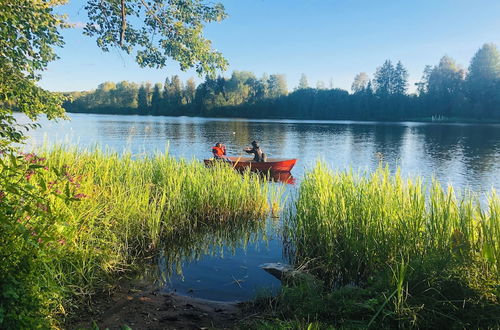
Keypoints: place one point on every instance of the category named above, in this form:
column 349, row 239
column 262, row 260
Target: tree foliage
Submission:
column 384, row 83
column 303, row 83
column 483, row 80
column 446, row 78
column 390, row 79
column 443, row 86
column 28, row 31
column 445, row 91
column 277, row 85
column 400, row 79
column 360, row 82
column 177, row 27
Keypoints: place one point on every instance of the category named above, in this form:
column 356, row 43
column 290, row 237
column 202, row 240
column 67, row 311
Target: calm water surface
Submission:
column 465, row 155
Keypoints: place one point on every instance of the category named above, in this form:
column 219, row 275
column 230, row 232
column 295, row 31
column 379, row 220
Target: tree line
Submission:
column 445, row 91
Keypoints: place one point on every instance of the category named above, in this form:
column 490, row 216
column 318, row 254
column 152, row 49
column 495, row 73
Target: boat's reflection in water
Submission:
column 285, row 177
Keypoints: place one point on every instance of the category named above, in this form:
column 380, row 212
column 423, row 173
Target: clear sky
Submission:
column 328, row 40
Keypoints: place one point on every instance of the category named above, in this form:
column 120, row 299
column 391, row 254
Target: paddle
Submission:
column 238, row 160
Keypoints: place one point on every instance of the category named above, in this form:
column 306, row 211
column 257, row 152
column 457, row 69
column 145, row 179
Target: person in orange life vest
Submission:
column 219, row 151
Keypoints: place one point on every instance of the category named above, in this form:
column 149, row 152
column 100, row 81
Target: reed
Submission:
column 123, row 211
column 429, row 251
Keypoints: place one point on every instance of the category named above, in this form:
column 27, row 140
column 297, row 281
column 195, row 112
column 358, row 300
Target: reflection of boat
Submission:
column 285, row 177
column 272, row 165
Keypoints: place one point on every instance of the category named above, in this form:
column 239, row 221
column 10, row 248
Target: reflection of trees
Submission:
column 441, row 141
column 238, row 134
column 462, row 154
column 387, row 141
column 481, row 147
column 210, row 239
column 110, row 128
column 158, row 128
column 222, row 131
column 475, row 147
column 189, row 129
column 272, row 136
column 241, row 129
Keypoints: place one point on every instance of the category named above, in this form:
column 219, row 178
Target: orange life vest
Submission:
column 218, row 152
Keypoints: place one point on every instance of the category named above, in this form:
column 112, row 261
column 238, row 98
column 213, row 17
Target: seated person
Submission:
column 219, row 151
column 257, row 151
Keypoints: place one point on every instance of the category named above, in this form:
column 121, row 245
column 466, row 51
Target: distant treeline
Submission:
column 446, row 91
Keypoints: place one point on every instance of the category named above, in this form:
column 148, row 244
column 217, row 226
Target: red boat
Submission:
column 273, row 165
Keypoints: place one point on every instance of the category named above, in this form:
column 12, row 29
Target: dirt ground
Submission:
column 147, row 308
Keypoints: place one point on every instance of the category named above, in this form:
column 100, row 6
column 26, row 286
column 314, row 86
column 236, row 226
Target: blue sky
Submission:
column 328, row 40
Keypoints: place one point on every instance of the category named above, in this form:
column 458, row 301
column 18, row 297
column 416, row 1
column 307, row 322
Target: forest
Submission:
column 446, row 91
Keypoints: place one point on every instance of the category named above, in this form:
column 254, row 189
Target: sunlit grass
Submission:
column 428, row 250
column 130, row 209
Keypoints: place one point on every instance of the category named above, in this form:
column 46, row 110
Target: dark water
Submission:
column 465, row 155
column 229, row 274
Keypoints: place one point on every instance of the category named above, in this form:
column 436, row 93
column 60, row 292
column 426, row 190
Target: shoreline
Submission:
column 452, row 120
column 143, row 306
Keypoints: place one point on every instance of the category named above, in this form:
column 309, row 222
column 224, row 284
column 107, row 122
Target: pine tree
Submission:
column 142, row 98
column 166, row 88
column 384, row 77
column 399, row 80
column 423, row 84
column 156, row 99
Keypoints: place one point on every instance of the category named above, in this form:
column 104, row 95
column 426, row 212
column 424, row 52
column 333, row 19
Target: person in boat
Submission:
column 219, row 151
column 259, row 155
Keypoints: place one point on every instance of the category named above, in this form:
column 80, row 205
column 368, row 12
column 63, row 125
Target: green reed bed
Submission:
column 391, row 252
column 104, row 214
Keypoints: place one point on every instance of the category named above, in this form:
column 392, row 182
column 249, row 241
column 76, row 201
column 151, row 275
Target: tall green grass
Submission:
column 126, row 211
column 433, row 256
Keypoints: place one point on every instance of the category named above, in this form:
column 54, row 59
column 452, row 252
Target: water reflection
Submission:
column 220, row 262
column 464, row 155
column 284, row 177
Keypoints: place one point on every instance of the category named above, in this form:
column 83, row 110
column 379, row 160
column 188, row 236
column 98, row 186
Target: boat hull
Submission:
column 272, row 165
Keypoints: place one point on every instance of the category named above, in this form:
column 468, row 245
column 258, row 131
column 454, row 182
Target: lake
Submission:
column 464, row 155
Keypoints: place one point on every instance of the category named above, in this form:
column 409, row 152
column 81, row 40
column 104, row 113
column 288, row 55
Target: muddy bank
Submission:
column 143, row 307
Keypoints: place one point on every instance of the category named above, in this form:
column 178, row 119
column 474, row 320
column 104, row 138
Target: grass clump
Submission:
column 411, row 257
column 84, row 218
